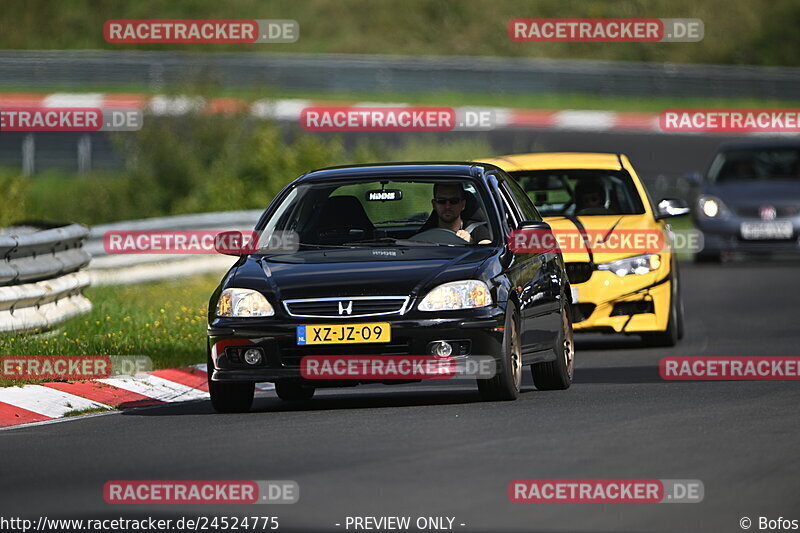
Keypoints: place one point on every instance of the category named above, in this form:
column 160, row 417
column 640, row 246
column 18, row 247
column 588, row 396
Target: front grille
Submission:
column 581, row 312
column 344, row 307
column 784, row 211
column 633, row 308
column 579, row 272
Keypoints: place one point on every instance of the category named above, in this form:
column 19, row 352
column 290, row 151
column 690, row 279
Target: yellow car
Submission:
column 615, row 242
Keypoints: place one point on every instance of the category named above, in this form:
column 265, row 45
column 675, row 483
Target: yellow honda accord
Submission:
column 615, row 242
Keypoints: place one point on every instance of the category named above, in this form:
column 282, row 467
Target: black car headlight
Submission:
column 243, row 303
column 467, row 294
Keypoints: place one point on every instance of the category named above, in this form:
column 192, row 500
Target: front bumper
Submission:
column 725, row 235
column 631, row 304
column 481, row 331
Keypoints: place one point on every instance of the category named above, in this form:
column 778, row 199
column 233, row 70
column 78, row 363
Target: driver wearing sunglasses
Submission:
column 448, row 202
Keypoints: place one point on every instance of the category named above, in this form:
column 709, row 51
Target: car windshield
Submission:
column 408, row 212
column 581, row 192
column 756, row 164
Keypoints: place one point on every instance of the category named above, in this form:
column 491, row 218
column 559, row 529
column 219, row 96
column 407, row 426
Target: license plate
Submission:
column 574, row 295
column 767, row 230
column 344, row 333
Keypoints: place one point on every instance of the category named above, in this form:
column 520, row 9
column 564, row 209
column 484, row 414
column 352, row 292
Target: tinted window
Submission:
column 348, row 213
column 525, row 204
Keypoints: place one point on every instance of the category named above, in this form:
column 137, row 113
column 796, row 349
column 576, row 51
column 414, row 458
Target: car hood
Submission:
column 751, row 193
column 607, row 225
column 359, row 271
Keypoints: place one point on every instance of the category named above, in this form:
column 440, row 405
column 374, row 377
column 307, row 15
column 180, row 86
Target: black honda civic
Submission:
column 390, row 261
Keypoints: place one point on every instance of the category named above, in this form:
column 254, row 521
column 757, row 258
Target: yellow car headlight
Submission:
column 466, row 294
column 243, row 303
column 640, row 264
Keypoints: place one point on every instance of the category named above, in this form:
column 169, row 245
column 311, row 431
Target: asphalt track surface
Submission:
column 651, row 153
column 434, row 449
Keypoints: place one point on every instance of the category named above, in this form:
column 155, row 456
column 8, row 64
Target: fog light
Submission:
column 252, row 356
column 441, row 349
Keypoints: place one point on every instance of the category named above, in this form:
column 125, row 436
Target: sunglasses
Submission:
column 453, row 200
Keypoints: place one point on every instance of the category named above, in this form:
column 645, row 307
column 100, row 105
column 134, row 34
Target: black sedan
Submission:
column 392, row 260
column 750, row 199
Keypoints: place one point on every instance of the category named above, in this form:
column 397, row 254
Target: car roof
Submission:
column 558, row 160
column 444, row 169
column 760, row 144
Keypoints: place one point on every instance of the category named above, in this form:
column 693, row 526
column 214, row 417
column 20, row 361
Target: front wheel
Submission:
column 557, row 375
column 507, row 381
column 229, row 397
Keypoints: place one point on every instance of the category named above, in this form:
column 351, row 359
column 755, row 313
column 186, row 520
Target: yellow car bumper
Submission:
column 630, row 304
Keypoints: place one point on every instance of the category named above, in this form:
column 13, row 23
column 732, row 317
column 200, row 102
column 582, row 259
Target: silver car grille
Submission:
column 347, row 306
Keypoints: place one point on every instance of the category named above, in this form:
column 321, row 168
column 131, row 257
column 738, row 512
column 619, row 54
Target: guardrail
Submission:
column 40, row 285
column 119, row 269
column 351, row 72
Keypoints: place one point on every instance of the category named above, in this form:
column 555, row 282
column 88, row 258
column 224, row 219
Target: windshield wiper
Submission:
column 322, row 246
column 383, row 241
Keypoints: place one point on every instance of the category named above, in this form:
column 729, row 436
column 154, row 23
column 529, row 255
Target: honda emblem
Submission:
column 346, row 310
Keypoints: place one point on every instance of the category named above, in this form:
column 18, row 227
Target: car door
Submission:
column 548, row 308
column 531, row 279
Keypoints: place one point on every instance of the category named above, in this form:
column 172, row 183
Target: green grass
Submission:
column 524, row 100
column 81, row 412
column 163, row 320
column 736, row 31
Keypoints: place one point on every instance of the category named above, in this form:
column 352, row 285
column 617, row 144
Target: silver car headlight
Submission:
column 712, row 207
column 639, row 264
column 243, row 303
column 465, row 294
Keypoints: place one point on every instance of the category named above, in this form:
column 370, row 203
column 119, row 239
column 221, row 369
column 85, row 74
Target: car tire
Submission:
column 229, row 397
column 506, row 383
column 557, row 375
column 293, row 391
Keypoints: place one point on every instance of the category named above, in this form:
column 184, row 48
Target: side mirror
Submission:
column 534, row 224
column 671, row 207
column 231, row 243
column 533, row 236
